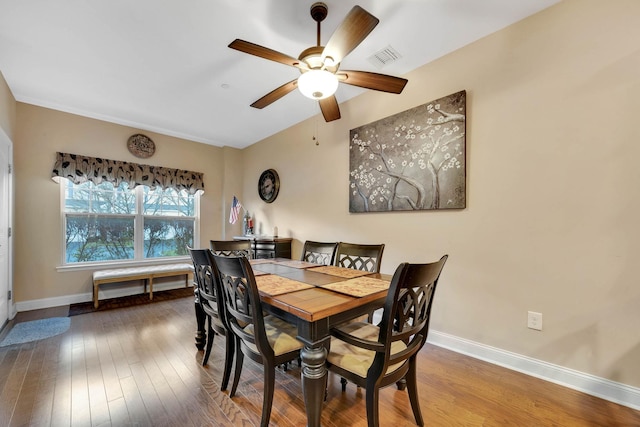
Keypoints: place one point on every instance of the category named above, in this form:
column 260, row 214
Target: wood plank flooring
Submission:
column 138, row 366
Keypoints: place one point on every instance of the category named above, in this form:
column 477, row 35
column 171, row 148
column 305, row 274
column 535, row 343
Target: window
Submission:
column 106, row 223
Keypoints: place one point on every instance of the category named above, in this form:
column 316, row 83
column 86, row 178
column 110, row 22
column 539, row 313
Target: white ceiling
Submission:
column 164, row 66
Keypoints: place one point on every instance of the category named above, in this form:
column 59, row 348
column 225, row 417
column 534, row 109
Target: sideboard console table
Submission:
column 268, row 246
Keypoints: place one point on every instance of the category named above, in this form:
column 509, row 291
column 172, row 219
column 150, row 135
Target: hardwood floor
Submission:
column 138, row 366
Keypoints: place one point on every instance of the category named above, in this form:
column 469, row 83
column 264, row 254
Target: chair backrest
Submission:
column 407, row 311
column 243, row 308
column 205, row 276
column 231, row 247
column 319, row 252
column 359, row 257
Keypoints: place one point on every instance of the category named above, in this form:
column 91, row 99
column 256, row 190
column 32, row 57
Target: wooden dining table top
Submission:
column 312, row 292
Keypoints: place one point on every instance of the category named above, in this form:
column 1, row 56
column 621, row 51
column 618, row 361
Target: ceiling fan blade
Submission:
column 375, row 81
column 329, row 108
column 276, row 94
column 263, row 52
column 356, row 26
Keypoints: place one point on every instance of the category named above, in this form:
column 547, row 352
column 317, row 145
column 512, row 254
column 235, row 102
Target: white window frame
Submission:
column 138, row 237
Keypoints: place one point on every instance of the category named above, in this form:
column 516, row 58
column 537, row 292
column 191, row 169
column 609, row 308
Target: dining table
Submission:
column 315, row 298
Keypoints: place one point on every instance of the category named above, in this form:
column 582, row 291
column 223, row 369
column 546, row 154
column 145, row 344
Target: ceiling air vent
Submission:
column 383, row 57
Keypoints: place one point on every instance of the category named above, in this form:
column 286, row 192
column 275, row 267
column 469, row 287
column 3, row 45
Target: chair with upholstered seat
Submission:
column 319, row 252
column 359, row 257
column 212, row 305
column 264, row 339
column 231, row 247
column 377, row 356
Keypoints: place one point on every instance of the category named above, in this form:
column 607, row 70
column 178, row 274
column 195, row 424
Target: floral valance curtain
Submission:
column 79, row 169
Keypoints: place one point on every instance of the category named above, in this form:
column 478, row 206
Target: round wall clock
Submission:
column 141, row 146
column 269, row 185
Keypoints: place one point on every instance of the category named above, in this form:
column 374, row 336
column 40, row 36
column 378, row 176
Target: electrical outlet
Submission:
column 534, row 320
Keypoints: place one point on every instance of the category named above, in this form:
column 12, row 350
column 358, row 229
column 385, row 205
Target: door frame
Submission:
column 7, row 147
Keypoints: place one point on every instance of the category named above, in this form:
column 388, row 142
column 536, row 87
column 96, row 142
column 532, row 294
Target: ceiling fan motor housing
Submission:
column 313, row 58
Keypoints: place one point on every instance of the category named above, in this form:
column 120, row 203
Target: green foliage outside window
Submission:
column 101, row 222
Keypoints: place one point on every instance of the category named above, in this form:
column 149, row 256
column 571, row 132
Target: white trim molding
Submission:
column 39, row 304
column 586, row 383
column 119, row 291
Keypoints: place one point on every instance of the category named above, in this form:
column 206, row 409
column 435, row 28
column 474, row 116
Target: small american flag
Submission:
column 235, row 210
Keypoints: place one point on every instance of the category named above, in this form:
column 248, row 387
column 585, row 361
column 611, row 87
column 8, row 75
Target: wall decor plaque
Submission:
column 413, row 160
column 141, row 146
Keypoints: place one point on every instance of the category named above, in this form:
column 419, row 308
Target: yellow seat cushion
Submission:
column 281, row 335
column 355, row 359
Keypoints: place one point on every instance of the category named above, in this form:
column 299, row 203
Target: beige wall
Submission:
column 40, row 133
column 233, row 179
column 7, row 108
column 551, row 223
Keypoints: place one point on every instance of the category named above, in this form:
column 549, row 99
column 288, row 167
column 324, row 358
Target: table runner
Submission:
column 340, row 271
column 257, row 273
column 260, row 261
column 297, row 264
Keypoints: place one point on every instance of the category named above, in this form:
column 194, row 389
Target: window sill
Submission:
column 120, row 264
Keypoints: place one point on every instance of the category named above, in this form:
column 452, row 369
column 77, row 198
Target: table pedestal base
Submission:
column 314, row 380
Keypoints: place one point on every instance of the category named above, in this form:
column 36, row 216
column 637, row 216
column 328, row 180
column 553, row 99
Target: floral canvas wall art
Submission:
column 413, row 160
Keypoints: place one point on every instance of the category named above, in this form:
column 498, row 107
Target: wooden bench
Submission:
column 145, row 273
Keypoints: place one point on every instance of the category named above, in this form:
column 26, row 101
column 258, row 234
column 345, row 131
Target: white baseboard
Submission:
column 115, row 292
column 586, row 383
column 38, row 304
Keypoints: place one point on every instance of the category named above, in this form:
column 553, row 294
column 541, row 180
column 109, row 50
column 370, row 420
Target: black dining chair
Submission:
column 267, row 340
column 211, row 302
column 231, row 247
column 377, row 356
column 359, row 257
column 319, row 252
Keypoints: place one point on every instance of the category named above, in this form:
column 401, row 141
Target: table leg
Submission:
column 314, row 380
column 95, row 295
column 201, row 336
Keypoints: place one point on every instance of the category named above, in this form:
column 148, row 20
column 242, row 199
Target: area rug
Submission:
column 36, row 330
column 130, row 300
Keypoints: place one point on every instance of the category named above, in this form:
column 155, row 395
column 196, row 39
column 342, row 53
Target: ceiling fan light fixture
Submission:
column 317, row 84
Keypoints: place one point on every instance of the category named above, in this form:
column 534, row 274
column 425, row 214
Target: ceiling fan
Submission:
column 319, row 65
